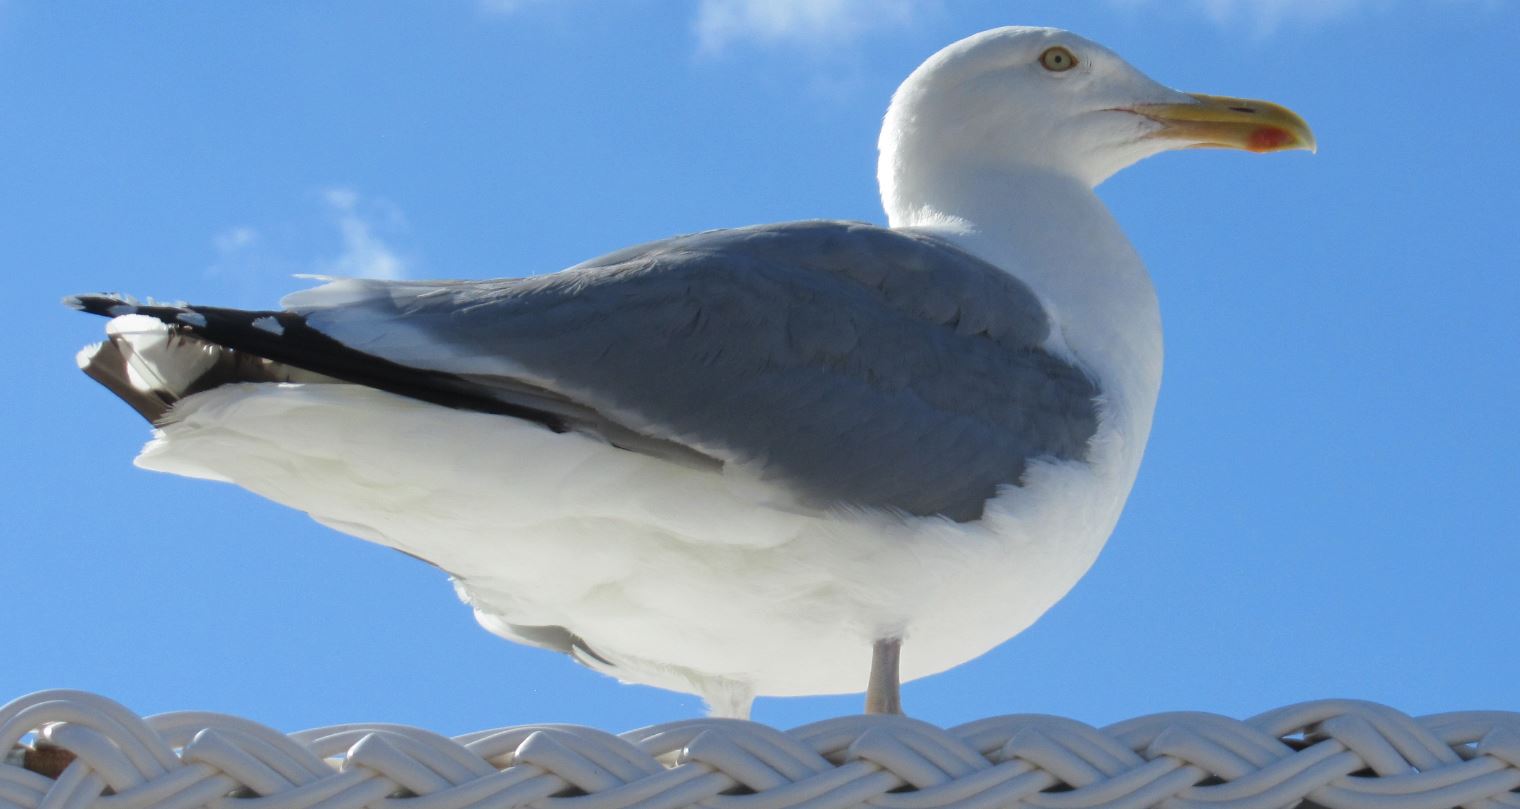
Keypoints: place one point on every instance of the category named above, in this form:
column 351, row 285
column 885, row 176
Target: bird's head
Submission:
column 1043, row 98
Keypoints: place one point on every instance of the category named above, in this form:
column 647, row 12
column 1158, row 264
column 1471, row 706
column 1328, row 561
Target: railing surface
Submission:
column 71, row 750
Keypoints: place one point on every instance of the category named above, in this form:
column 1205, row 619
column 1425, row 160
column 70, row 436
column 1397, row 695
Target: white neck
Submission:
column 1053, row 233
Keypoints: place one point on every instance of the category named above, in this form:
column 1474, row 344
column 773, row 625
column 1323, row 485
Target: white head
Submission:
column 1041, row 99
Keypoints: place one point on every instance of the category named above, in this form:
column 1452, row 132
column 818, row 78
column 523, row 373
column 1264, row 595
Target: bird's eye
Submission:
column 1058, row 59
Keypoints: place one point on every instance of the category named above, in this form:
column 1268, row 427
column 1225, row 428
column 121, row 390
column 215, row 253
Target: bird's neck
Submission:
column 1053, row 233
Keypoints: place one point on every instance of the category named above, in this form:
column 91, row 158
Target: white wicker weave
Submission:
column 1341, row 754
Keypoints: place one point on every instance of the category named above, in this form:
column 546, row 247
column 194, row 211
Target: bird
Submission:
column 800, row 458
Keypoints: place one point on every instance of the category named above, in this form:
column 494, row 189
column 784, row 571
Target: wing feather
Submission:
column 850, row 363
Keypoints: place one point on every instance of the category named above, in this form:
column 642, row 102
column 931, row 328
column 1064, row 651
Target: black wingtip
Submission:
column 105, row 304
column 257, row 338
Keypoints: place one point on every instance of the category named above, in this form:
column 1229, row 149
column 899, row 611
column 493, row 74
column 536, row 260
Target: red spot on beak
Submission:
column 1268, row 138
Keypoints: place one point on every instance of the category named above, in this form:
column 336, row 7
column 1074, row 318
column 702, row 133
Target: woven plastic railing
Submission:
column 72, row 750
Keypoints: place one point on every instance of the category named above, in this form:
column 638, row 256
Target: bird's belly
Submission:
column 681, row 577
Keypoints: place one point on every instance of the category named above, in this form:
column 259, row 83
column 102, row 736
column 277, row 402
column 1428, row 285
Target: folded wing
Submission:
column 850, row 364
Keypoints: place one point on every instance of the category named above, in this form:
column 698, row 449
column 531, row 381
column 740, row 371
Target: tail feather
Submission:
column 107, row 364
column 151, row 365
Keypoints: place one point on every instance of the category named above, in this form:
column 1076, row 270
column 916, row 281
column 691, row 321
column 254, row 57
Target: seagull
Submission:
column 796, row 458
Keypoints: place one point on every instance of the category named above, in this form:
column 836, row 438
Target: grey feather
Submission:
column 851, row 364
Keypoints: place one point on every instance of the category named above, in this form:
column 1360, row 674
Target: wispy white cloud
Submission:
column 351, row 235
column 364, row 254
column 1269, row 14
column 807, row 24
column 500, row 6
column 234, row 239
column 237, row 252
column 1265, row 16
column 721, row 24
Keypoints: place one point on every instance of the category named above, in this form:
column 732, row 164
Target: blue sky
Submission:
column 1327, row 506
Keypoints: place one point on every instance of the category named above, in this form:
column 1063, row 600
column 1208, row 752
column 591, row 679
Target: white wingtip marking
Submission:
column 195, row 319
column 269, row 324
column 87, row 354
column 135, row 324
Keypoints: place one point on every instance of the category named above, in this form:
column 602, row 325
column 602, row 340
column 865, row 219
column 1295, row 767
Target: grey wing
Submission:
column 851, row 364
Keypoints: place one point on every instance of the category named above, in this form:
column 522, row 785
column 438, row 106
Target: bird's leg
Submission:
column 882, row 693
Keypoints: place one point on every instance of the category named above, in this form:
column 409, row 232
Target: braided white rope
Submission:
column 1340, row 754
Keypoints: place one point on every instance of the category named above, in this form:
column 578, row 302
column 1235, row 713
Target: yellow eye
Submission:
column 1058, row 59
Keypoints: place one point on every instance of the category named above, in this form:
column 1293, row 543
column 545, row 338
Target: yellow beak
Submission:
column 1219, row 122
